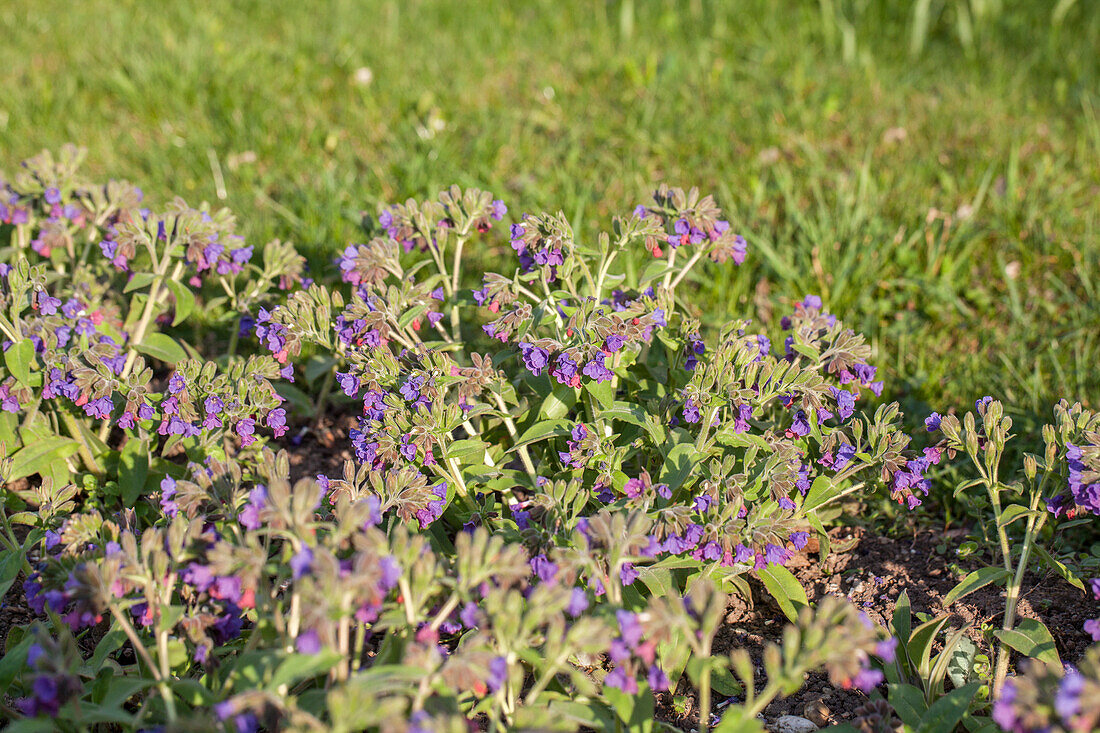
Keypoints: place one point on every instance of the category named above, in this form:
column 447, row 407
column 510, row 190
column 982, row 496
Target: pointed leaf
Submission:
column 949, row 710
column 975, row 580
column 785, row 588
column 1032, row 639
column 18, row 359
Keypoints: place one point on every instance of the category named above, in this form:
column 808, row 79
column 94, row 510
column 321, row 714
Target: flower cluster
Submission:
column 1044, row 698
column 548, row 479
column 92, row 304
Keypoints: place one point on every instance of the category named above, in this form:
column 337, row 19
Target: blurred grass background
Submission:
column 930, row 167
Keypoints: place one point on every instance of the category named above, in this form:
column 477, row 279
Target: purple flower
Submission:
column 276, row 420
column 629, row 628
column 167, row 491
column 1004, row 713
column 775, row 554
column 691, row 411
column 597, row 370
column 302, row 562
column 845, row 403
column 498, row 673
column 246, row 429
column 250, row 515
column 867, row 680
column 844, row 454
column 658, row 681
column 1067, row 701
column 800, row 426
column 578, row 602
column 799, row 539
column 628, row 573
column 308, row 642
column 932, row 422
column 886, row 649
column 498, row 210
column 614, row 342
column 535, row 358
column 543, row 569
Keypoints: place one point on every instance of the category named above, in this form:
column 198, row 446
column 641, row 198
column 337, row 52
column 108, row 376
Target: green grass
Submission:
column 945, row 203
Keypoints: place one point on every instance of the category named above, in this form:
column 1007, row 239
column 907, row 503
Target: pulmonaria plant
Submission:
column 1060, row 485
column 559, row 472
column 357, row 622
column 578, row 408
column 1045, row 698
column 98, row 296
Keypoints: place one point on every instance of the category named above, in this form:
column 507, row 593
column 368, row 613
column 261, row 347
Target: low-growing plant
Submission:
column 99, row 298
column 558, row 477
column 1059, row 490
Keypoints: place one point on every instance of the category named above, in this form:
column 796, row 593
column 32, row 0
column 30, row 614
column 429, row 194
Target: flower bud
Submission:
column 1031, row 467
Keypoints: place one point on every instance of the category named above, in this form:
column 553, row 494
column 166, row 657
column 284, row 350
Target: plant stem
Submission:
column 687, row 268
column 455, row 270
column 139, row 648
column 523, row 455
column 1012, row 592
column 82, row 447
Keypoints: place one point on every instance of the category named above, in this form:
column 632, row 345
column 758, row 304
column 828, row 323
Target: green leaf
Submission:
column 185, row 300
column 1013, row 512
column 635, row 711
column 10, row 565
column 975, row 580
column 318, row 366
column 162, row 347
column 411, row 315
column 678, row 465
column 602, row 391
column 673, row 656
column 637, row 415
column 14, row 661
column 18, row 359
column 110, row 643
column 1032, row 639
column 121, row 689
column 961, row 663
column 919, row 647
column 785, row 588
column 659, row 580
column 945, row 713
column 541, row 431
column 736, row 719
column 133, row 469
column 297, row 667
column 722, row 680
column 138, row 281
column 591, row 714
column 1059, row 567
column 37, row 457
column 821, row 493
column 908, row 703
column 467, row 450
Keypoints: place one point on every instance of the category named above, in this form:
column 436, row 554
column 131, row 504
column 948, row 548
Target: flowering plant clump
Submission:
column 95, row 293
column 1057, row 488
column 558, row 476
column 1046, row 698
